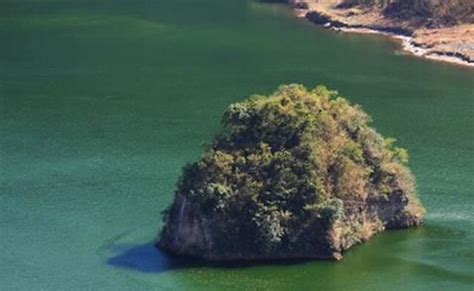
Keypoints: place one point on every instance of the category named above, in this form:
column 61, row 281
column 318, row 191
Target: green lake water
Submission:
column 103, row 101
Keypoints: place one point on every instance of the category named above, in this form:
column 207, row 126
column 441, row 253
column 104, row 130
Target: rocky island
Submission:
column 298, row 174
column 436, row 29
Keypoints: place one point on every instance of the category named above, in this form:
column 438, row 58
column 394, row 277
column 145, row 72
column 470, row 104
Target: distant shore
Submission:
column 453, row 44
column 410, row 47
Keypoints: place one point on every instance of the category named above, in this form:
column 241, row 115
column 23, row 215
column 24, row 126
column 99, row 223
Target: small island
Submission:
column 299, row 174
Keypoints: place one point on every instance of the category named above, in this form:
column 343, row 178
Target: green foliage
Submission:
column 287, row 164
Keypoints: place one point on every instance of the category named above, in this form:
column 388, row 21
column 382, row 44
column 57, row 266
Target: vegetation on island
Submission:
column 298, row 172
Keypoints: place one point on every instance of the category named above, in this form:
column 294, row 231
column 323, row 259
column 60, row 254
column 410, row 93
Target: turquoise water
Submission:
column 102, row 102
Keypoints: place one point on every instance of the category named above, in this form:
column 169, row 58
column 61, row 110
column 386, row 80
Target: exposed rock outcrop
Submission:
column 298, row 174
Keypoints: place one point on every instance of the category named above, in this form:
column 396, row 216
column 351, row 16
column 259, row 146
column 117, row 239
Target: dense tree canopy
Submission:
column 288, row 167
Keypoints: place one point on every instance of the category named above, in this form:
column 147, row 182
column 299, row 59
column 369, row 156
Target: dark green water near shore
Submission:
column 102, row 103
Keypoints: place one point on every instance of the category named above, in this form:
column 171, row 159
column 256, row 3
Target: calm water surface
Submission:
column 102, row 102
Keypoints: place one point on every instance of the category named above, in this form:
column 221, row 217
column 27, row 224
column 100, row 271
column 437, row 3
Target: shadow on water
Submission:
column 147, row 258
column 380, row 251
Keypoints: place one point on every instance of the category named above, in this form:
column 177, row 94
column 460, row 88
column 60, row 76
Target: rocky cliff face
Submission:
column 190, row 233
column 295, row 175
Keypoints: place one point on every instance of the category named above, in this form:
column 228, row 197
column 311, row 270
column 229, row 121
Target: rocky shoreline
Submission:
column 413, row 41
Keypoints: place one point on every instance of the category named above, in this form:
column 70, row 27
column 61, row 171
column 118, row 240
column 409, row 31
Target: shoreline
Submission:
column 407, row 41
column 408, row 46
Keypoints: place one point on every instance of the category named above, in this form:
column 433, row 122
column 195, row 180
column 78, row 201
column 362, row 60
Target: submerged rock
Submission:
column 299, row 174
